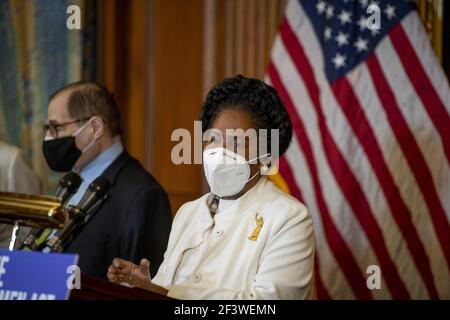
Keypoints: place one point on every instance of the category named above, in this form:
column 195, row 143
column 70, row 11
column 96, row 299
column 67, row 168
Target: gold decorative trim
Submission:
column 431, row 12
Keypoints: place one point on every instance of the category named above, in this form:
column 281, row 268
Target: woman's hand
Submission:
column 123, row 271
column 127, row 273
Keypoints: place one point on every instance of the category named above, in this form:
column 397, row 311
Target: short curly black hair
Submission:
column 255, row 97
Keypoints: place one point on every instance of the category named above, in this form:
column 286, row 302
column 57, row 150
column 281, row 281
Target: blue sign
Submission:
column 26, row 275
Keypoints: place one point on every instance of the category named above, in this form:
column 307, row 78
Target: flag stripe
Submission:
column 345, row 258
column 441, row 120
column 417, row 119
column 429, row 145
column 417, row 163
column 329, row 269
column 420, row 41
column 430, row 99
column 364, row 89
column 322, row 292
column 356, row 117
column 341, row 171
column 286, row 172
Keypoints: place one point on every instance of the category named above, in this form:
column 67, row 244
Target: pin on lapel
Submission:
column 259, row 223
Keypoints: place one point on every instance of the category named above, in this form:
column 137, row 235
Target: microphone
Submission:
column 92, row 198
column 67, row 187
column 95, row 195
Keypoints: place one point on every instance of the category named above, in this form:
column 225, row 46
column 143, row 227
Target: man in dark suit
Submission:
column 83, row 134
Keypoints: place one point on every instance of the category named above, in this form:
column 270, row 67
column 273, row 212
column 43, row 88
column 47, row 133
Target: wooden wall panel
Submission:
column 245, row 30
column 176, row 92
column 122, row 57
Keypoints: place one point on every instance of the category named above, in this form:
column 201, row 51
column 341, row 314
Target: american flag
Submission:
column 371, row 150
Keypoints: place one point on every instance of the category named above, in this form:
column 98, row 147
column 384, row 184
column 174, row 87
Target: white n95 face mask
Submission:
column 227, row 172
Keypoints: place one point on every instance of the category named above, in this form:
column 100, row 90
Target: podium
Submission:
column 29, row 210
column 93, row 288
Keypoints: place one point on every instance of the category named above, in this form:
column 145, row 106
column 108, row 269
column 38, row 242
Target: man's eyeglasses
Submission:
column 53, row 128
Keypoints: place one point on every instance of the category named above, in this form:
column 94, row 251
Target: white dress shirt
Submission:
column 213, row 258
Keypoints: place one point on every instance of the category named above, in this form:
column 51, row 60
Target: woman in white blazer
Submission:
column 245, row 239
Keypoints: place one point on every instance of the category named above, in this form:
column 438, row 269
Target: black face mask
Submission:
column 61, row 154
